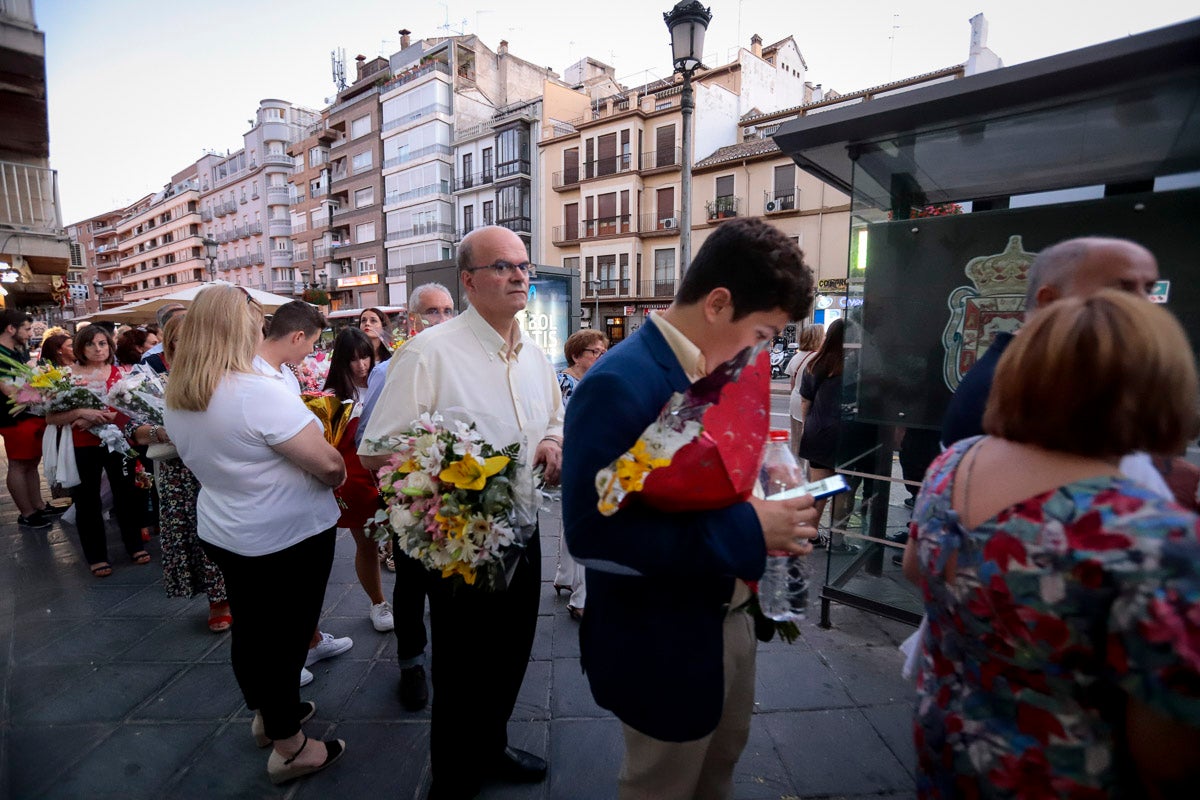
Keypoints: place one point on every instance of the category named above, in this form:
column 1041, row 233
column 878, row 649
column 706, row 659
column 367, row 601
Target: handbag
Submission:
column 58, row 456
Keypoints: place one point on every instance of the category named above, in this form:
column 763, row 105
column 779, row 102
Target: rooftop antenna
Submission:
column 892, row 36
column 448, row 28
column 337, row 60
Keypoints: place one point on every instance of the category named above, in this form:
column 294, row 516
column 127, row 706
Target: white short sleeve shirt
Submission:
column 253, row 500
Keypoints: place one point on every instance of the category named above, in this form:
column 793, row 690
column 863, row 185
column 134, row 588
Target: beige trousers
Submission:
column 701, row 769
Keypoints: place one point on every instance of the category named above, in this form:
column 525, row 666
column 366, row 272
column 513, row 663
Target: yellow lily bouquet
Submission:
column 449, row 498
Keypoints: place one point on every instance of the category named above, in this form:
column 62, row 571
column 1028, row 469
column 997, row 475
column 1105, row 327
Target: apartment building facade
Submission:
column 160, row 242
column 442, row 86
column 308, row 202
column 499, row 180
column 93, row 244
column 614, row 212
column 351, row 252
column 34, row 248
column 245, row 201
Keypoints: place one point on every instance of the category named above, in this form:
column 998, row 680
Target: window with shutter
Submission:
column 606, row 213
column 571, row 165
column 607, row 146
column 665, row 201
column 664, row 146
column 785, row 187
column 571, row 221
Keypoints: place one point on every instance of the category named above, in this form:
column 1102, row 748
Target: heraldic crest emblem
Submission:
column 993, row 305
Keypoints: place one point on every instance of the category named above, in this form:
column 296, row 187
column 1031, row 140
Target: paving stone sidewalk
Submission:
column 110, row 689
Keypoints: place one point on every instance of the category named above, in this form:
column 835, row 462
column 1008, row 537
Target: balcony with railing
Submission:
column 655, row 289
column 517, row 224
column 414, row 116
column 605, row 226
column 422, row 229
column 420, row 152
column 254, row 228
column 777, row 202
column 29, row 197
column 512, row 169
column 442, row 187
column 723, row 207
column 206, row 216
column 656, row 223
column 278, row 195
column 279, row 227
column 221, row 209
column 278, row 160
column 296, row 198
column 566, row 178
column 413, row 73
column 671, row 158
column 281, row 258
column 474, row 181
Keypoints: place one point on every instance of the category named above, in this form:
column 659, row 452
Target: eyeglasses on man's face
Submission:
column 505, row 268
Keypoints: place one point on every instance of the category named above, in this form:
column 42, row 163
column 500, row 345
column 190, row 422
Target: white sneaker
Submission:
column 306, row 677
column 381, row 617
column 328, row 647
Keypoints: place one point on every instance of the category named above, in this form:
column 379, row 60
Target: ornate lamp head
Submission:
column 687, row 22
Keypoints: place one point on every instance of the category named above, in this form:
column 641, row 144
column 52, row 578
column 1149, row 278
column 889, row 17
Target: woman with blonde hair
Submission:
column 1063, row 598
column 265, row 513
column 810, row 340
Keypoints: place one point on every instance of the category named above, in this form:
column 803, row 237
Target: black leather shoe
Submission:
column 413, row 690
column 517, row 766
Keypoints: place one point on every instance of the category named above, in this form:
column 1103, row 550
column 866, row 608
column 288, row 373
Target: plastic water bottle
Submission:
column 783, row 590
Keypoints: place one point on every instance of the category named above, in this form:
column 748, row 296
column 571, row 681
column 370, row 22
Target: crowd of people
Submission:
column 1060, row 572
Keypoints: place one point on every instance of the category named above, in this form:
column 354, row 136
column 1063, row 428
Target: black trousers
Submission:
column 481, row 646
column 128, row 502
column 408, row 604
column 275, row 601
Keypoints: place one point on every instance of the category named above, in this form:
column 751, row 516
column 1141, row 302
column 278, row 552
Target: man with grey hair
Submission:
column 1072, row 268
column 429, row 304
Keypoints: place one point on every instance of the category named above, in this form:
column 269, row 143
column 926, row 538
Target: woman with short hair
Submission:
column 1063, row 598
column 582, row 349
column 265, row 513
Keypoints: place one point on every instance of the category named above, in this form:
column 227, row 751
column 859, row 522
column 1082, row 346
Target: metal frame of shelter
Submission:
column 1105, row 140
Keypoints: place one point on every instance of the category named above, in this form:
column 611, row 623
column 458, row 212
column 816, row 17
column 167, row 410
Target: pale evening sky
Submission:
column 139, row 90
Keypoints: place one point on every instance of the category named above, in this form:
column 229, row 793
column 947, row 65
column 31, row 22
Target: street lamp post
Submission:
column 99, row 287
column 687, row 22
column 210, row 252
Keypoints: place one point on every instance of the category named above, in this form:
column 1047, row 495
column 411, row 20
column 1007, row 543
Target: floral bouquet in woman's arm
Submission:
column 46, row 390
column 703, row 451
column 450, row 500
column 140, row 395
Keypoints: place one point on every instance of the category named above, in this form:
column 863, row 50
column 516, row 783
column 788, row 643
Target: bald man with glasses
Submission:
column 481, row 367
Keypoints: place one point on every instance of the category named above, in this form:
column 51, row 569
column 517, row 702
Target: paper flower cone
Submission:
column 704, row 449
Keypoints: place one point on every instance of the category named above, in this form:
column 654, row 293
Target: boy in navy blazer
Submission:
column 664, row 642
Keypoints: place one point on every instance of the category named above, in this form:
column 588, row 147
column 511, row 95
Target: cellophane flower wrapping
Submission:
column 312, row 372
column 45, row 389
column 140, row 395
column 333, row 414
column 704, row 450
column 450, row 500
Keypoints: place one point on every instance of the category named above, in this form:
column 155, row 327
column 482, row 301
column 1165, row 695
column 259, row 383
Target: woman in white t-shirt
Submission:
column 265, row 512
column 810, row 342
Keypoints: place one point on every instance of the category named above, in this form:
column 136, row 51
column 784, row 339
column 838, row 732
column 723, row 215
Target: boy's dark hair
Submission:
column 761, row 267
column 295, row 316
column 11, row 316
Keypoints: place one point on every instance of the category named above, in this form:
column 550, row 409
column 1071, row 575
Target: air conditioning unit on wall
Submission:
column 772, row 205
column 670, row 222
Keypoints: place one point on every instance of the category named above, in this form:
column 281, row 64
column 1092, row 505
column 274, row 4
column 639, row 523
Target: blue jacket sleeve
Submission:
column 606, row 416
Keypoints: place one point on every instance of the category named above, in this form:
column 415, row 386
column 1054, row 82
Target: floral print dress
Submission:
column 1063, row 605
